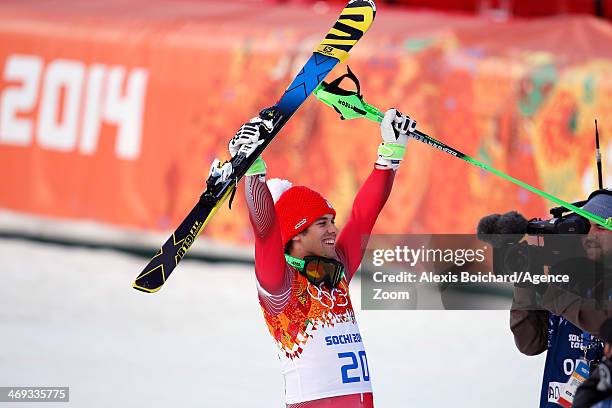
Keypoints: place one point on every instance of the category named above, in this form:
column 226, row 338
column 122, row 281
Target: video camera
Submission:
column 561, row 247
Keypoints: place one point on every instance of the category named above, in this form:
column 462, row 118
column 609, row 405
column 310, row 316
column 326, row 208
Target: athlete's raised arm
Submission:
column 271, row 269
column 373, row 194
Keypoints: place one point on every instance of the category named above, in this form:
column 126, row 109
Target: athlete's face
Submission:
column 319, row 238
column 598, row 242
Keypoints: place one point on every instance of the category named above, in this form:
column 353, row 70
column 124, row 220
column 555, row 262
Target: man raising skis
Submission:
column 304, row 265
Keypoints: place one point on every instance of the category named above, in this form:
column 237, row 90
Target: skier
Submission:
column 304, row 265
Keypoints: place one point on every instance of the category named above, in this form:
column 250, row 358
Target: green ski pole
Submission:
column 351, row 105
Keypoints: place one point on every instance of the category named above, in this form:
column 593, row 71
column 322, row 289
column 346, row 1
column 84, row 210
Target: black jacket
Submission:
column 596, row 388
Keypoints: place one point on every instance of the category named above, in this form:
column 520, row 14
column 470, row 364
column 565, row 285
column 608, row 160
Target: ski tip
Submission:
column 355, row 19
column 143, row 289
column 360, row 3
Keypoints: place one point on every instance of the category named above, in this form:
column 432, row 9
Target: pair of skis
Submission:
column 354, row 20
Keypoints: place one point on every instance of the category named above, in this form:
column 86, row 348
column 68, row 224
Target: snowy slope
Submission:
column 69, row 317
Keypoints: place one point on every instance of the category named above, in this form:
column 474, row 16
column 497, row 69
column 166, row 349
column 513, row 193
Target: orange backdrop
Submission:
column 113, row 111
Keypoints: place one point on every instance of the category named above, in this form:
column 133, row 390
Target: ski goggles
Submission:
column 318, row 269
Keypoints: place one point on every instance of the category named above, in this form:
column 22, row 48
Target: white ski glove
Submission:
column 395, row 130
column 246, row 140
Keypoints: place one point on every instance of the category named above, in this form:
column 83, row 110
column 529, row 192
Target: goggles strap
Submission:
column 297, row 263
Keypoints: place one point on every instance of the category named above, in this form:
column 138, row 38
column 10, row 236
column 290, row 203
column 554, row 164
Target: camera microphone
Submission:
column 496, row 228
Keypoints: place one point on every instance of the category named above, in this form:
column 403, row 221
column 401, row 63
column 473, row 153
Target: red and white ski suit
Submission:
column 321, row 351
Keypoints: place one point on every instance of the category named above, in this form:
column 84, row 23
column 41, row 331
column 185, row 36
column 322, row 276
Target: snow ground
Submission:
column 69, row 317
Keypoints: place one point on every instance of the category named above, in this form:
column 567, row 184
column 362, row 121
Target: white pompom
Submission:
column 277, row 187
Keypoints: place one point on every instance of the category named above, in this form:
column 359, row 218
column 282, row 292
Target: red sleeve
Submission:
column 368, row 203
column 273, row 274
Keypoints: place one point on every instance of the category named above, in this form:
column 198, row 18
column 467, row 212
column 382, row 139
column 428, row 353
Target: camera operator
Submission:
column 562, row 320
column 588, row 303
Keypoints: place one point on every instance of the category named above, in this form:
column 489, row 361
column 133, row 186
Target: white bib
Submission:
column 320, row 348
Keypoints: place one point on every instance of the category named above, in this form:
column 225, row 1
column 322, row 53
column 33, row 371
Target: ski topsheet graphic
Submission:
column 354, row 21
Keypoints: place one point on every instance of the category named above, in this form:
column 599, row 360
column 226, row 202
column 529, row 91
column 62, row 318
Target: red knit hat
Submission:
column 297, row 208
